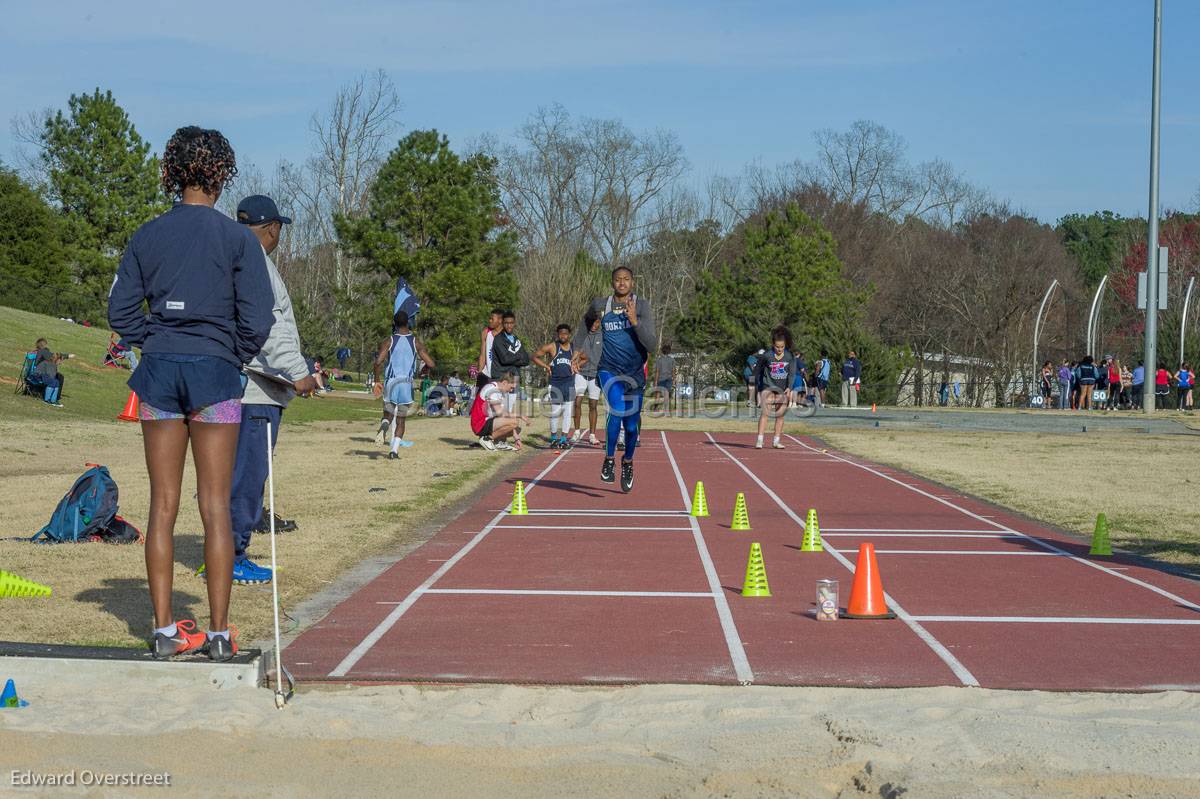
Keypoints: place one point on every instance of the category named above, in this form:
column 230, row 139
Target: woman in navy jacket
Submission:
column 204, row 281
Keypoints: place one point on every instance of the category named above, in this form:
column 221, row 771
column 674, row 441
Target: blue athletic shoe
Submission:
column 247, row 572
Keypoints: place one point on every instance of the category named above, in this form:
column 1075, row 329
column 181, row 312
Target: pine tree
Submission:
column 106, row 182
column 33, row 269
column 787, row 273
column 433, row 219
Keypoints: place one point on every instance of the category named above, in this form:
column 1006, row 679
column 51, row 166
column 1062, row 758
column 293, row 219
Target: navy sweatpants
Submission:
column 250, row 471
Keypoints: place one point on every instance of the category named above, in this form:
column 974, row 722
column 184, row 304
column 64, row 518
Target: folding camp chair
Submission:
column 29, row 384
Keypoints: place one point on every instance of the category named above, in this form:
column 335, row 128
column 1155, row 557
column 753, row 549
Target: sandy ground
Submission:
column 668, row 741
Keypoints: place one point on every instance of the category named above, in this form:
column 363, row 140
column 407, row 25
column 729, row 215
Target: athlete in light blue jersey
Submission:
column 400, row 353
column 627, row 328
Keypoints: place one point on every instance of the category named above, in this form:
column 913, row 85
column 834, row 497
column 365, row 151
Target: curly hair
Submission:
column 782, row 333
column 197, row 157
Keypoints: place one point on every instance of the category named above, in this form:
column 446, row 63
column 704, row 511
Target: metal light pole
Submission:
column 1151, row 358
column 1093, row 325
column 1037, row 328
column 1187, row 298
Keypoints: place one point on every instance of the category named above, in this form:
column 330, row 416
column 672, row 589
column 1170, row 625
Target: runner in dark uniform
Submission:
column 562, row 368
column 627, row 326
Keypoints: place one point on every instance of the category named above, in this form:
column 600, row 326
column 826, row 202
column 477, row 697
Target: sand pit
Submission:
column 678, row 741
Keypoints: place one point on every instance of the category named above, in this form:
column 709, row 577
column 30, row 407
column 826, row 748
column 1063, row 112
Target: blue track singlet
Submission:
column 402, row 365
column 622, row 353
column 562, row 376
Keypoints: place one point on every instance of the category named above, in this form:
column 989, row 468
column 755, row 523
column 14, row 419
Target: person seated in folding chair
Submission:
column 46, row 374
column 27, row 383
column 119, row 354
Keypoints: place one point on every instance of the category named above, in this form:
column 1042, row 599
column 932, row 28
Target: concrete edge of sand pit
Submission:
column 41, row 665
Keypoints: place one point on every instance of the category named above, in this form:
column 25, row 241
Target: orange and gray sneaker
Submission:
column 220, row 647
column 186, row 639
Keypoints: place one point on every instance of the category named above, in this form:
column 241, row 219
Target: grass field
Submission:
column 1143, row 484
column 327, row 468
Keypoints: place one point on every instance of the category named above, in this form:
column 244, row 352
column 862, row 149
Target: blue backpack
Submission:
column 87, row 510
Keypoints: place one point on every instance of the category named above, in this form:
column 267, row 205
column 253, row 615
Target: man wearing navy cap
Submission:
column 274, row 376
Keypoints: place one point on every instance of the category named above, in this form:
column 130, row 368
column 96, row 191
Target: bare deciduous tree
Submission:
column 351, row 139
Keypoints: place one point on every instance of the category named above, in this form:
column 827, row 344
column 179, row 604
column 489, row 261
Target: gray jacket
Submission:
column 280, row 355
column 590, row 344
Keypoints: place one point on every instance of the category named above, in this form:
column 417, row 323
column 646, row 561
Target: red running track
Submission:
column 596, row 586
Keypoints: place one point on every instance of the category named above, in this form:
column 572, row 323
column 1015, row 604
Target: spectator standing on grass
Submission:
column 269, row 373
column 1162, row 386
column 800, row 382
column 561, row 369
column 510, row 354
column 1137, row 383
column 1074, row 385
column 851, row 378
column 1115, row 386
column 488, row 338
column 204, row 282
column 1185, row 378
column 750, row 374
column 664, row 375
column 1126, row 401
column 589, row 340
column 1088, row 374
column 1065, row 378
column 822, row 369
column 1046, row 383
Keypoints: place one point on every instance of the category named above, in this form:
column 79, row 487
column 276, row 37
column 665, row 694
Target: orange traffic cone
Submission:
column 866, row 595
column 872, row 407
column 130, row 414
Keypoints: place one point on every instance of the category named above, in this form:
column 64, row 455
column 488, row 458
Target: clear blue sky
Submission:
column 1044, row 102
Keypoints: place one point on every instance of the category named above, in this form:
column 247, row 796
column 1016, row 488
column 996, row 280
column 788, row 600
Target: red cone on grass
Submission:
column 130, row 414
column 866, row 595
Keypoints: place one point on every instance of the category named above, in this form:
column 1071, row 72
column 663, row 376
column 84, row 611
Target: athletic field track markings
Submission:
column 364, row 646
column 737, row 653
column 963, row 674
column 1039, row 541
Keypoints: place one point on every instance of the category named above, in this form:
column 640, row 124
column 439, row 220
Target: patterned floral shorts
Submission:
column 227, row 412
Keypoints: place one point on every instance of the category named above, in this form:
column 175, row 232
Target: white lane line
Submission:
column 737, row 653
column 550, row 592
column 1040, row 542
column 578, row 527
column 902, row 530
column 993, row 536
column 964, row 552
column 567, row 512
column 962, row 672
column 356, row 654
column 1057, row 620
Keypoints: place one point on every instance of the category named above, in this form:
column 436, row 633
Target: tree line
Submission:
column 909, row 264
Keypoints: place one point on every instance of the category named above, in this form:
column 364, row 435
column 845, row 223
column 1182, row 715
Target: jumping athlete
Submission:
column 401, row 353
column 776, row 374
column 627, row 327
column 564, row 364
